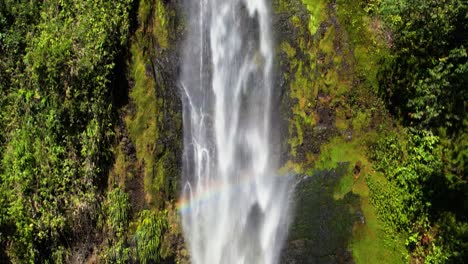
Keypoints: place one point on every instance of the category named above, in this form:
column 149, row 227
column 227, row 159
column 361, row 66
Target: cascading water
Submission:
column 234, row 207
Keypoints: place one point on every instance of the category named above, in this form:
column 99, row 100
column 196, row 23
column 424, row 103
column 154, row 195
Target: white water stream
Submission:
column 234, row 205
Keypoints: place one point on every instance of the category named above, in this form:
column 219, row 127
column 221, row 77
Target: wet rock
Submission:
column 322, row 225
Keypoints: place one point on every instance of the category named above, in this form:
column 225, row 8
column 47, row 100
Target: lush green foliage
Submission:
column 117, row 211
column 424, row 83
column 118, row 216
column 59, row 76
column 149, row 234
column 426, row 79
column 417, row 200
column 57, row 62
column 139, row 241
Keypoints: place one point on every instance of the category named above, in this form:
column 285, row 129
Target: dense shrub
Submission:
column 415, row 199
column 425, row 80
column 424, row 83
column 56, row 116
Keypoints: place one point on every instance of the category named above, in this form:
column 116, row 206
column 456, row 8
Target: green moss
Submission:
column 160, row 28
column 325, row 44
column 298, row 139
column 119, row 172
column 296, row 21
column 291, row 166
column 345, row 185
column 155, row 17
column 366, row 37
column 317, row 12
column 290, row 51
column 341, row 121
column 142, row 124
column 339, row 150
column 144, row 10
column 146, row 111
column 361, row 120
column 154, row 232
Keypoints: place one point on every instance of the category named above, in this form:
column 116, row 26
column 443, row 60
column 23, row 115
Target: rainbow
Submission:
column 211, row 192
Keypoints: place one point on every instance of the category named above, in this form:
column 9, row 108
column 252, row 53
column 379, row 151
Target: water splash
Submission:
column 233, row 205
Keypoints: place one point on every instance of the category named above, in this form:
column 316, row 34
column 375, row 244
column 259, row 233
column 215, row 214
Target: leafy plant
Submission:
column 148, row 235
column 117, row 212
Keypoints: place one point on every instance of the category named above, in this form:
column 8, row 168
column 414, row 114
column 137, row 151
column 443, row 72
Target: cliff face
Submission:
column 149, row 140
column 328, row 56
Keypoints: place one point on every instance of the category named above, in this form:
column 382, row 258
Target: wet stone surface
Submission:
column 322, row 225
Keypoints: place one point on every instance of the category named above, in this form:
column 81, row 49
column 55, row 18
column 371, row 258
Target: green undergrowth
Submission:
column 57, row 64
column 149, row 234
column 413, row 163
column 138, row 240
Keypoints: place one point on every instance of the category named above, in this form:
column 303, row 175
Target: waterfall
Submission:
column 234, row 205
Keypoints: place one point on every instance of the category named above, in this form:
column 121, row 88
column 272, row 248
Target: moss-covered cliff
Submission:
column 365, row 197
column 328, row 55
column 149, row 136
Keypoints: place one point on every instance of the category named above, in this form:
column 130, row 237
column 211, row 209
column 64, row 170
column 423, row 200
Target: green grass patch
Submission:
column 340, row 150
column 370, row 244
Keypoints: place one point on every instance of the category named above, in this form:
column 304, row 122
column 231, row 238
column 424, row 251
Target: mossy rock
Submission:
column 322, row 225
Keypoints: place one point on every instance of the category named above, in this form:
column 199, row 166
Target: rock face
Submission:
column 148, row 153
column 327, row 71
column 322, row 225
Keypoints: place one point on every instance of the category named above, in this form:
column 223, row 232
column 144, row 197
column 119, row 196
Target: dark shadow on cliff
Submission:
column 322, row 225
